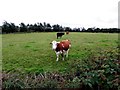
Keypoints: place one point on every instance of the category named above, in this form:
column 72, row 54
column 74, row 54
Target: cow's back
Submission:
column 66, row 42
column 63, row 45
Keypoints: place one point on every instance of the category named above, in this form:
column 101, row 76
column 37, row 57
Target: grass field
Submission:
column 0, row 52
column 31, row 52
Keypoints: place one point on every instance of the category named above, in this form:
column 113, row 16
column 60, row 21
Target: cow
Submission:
column 59, row 34
column 61, row 47
column 67, row 32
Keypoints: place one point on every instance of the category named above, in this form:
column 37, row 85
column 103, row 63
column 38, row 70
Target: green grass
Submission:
column 0, row 52
column 32, row 52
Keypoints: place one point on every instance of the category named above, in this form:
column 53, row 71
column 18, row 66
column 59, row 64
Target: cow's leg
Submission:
column 62, row 56
column 67, row 53
column 57, row 54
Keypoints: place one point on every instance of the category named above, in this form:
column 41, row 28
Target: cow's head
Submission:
column 54, row 44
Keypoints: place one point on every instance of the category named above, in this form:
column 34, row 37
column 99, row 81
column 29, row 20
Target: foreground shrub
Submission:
column 97, row 72
column 101, row 71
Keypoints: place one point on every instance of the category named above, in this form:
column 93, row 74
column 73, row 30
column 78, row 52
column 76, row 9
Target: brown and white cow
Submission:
column 61, row 47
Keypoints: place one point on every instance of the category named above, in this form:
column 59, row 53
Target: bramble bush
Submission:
column 101, row 71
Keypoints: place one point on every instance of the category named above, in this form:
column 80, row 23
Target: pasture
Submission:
column 32, row 52
column 28, row 61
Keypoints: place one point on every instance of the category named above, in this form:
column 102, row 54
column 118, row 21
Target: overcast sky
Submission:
column 72, row 13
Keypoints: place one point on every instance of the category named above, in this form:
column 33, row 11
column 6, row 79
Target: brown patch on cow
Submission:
column 63, row 45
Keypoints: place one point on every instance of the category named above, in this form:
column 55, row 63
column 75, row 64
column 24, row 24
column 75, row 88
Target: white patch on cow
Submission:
column 61, row 52
column 57, row 54
column 54, row 45
column 62, row 45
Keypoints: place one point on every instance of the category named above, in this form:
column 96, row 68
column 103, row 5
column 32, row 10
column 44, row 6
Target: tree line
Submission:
column 47, row 27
